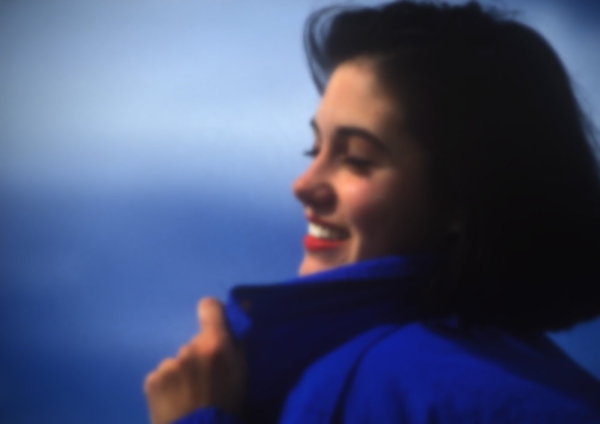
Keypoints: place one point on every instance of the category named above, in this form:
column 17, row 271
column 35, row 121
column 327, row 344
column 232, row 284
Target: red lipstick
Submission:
column 313, row 243
column 324, row 241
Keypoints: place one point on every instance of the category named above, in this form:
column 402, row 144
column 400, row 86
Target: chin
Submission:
column 318, row 262
column 308, row 267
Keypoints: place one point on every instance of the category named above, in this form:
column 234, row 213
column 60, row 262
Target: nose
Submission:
column 313, row 188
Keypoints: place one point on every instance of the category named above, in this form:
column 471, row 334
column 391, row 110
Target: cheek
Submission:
column 387, row 217
column 371, row 208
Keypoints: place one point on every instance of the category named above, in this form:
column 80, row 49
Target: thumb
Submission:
column 211, row 316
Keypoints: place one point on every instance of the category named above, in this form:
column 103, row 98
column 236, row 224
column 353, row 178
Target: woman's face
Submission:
column 367, row 192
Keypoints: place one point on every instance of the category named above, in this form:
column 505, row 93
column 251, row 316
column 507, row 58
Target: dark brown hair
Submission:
column 513, row 153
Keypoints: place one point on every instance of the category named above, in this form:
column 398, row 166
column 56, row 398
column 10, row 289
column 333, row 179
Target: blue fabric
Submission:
column 388, row 267
column 351, row 349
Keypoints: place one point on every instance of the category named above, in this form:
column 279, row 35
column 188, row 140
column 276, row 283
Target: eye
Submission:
column 357, row 163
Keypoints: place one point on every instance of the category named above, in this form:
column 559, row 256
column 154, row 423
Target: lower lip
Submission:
column 313, row 243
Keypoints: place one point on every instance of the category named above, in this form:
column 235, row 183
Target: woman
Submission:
column 452, row 205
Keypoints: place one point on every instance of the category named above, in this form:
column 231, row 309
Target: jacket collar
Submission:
column 248, row 304
column 381, row 268
column 287, row 326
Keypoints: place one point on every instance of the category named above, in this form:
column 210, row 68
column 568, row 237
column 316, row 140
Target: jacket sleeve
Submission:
column 208, row 416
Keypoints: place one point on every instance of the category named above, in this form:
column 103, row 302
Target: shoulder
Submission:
column 423, row 372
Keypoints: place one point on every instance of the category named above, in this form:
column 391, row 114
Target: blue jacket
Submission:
column 346, row 346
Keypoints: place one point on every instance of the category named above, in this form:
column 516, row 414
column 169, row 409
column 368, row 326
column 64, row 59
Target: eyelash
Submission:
column 312, row 153
column 356, row 163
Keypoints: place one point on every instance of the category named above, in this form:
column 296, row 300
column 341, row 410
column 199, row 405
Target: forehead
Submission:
column 354, row 96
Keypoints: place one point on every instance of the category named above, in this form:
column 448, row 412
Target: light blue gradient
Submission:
column 147, row 149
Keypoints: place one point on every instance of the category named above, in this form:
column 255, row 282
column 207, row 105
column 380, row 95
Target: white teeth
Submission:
column 322, row 232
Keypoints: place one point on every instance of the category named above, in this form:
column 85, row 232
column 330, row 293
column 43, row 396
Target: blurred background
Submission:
column 147, row 149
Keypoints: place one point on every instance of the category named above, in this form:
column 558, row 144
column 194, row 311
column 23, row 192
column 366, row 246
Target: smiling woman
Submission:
column 452, row 205
column 367, row 193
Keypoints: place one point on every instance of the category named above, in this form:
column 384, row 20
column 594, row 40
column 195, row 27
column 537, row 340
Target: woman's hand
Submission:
column 208, row 371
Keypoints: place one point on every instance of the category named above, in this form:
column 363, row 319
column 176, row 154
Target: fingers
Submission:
column 211, row 316
column 209, row 370
column 166, row 374
column 167, row 394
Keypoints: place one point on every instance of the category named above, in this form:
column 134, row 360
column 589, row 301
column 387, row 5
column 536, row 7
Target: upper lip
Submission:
column 316, row 220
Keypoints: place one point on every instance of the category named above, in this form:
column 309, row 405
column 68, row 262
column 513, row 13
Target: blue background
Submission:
column 147, row 149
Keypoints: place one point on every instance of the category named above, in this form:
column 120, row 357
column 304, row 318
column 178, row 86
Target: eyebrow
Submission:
column 347, row 131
